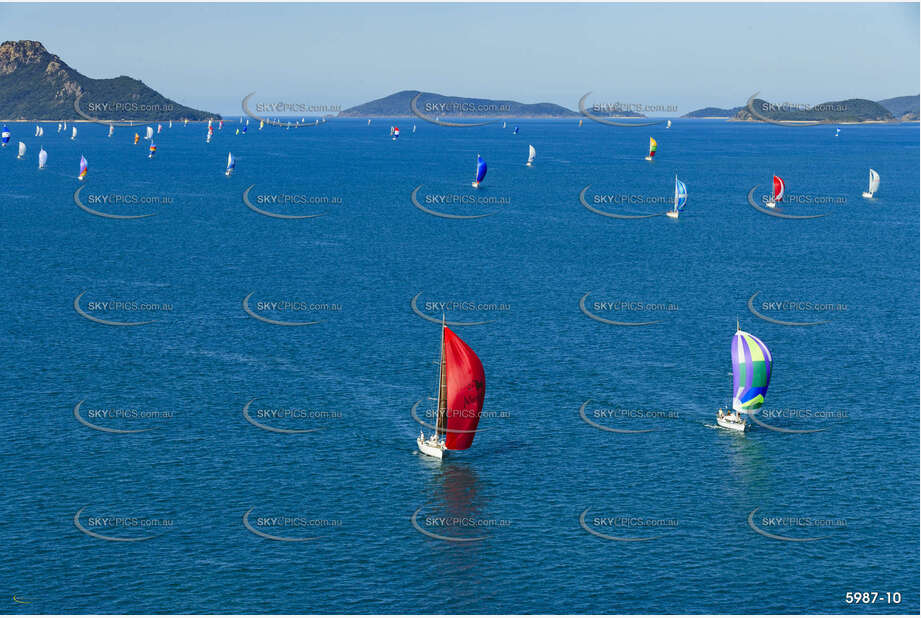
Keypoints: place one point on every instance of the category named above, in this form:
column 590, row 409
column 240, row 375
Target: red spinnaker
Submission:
column 778, row 188
column 466, row 384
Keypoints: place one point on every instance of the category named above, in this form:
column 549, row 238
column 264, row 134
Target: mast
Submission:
column 442, row 422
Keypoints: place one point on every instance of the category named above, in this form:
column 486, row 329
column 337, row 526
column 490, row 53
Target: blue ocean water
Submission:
column 354, row 485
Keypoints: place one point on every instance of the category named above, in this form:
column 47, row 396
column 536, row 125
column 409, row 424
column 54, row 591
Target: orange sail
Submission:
column 466, row 387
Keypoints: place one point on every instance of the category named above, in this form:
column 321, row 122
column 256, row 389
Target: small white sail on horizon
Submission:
column 531, row 154
column 42, row 158
column 73, row 133
column 668, row 124
column 111, row 130
column 149, row 133
column 22, row 150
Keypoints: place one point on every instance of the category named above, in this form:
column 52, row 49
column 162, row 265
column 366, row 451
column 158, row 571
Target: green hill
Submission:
column 37, row 85
column 437, row 105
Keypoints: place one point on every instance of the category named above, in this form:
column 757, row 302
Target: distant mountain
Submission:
column 849, row 110
column 433, row 105
column 904, row 108
column 37, row 85
column 713, row 112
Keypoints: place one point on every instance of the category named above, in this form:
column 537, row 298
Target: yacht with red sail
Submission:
column 461, row 389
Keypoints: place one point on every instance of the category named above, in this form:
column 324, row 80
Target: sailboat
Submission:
column 874, row 184
column 369, row 122
column 148, row 133
column 5, row 136
column 59, row 127
column 73, row 133
column 652, row 149
column 531, row 154
column 137, row 138
column 515, row 132
column 237, row 132
column 22, row 151
column 170, row 124
column 261, row 124
column 83, row 168
column 396, row 133
column 414, row 128
column 37, row 130
column 111, row 130
column 391, row 131
column 220, row 124
column 751, row 375
column 153, row 150
column 245, row 127
column 580, row 122
column 65, row 125
column 837, row 132
column 41, row 131
column 42, row 158
column 210, row 133
column 777, row 190
column 231, row 164
column 461, row 390
column 668, row 124
column 503, row 125
column 159, row 128
column 185, row 122
column 480, row 171
column 681, row 198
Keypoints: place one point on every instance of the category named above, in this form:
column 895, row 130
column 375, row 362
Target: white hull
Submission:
column 771, row 204
column 431, row 447
column 528, row 164
column 649, row 158
column 671, row 214
column 868, row 195
column 733, row 421
column 475, row 185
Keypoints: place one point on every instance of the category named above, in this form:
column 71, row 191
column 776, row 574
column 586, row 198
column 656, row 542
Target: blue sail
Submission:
column 6, row 135
column 480, row 169
column 681, row 195
column 515, row 132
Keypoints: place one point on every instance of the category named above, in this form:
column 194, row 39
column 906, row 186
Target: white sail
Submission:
column 22, row 150
column 149, row 133
column 668, row 125
column 111, row 130
column 42, row 158
column 874, row 181
column 531, row 154
column 41, row 131
column 73, row 133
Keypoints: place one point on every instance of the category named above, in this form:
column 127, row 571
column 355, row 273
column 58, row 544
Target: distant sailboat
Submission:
column 461, row 391
column 5, row 136
column 503, row 125
column 261, row 124
column 83, row 168
column 414, row 128
column 480, row 171
column 531, row 154
column 41, row 131
column 149, row 133
column 37, row 130
column 837, row 132
column 42, row 158
column 777, row 188
column 65, row 125
column 515, row 132
column 580, row 122
column 245, row 127
column 237, row 132
column 652, row 149
column 59, row 127
column 220, row 124
column 681, row 198
column 668, row 124
column 73, row 133
column 185, row 122
column 751, row 376
column 159, row 128
column 396, row 133
column 210, row 133
column 170, row 124
column 874, row 184
column 137, row 138
column 231, row 164
column 152, row 149
column 111, row 130
column 22, row 151
column 369, row 122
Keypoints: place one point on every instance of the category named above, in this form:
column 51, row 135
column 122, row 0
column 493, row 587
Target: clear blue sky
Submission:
column 690, row 55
